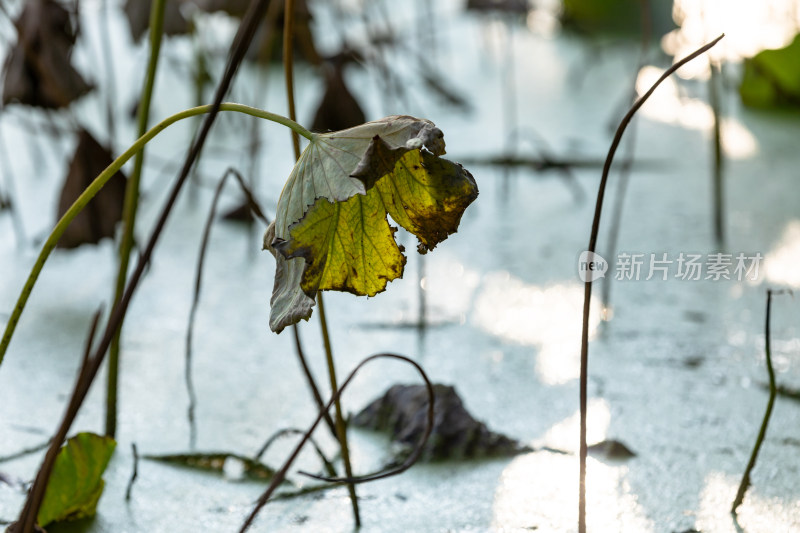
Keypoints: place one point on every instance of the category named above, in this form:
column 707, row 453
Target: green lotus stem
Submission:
column 341, row 426
column 101, row 180
column 130, row 208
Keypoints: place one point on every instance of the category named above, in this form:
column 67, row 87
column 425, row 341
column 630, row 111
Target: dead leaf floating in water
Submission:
column 331, row 230
column 38, row 71
column 99, row 219
column 218, row 462
column 402, row 411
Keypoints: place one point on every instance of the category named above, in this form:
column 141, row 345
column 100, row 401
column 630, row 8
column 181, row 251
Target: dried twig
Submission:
column 281, row 474
column 294, row 431
column 745, row 483
column 198, row 282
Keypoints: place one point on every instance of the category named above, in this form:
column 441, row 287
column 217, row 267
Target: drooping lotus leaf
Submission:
column 331, row 230
column 76, row 483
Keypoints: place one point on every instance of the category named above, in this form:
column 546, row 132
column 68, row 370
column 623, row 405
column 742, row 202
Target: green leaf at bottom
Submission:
column 76, row 482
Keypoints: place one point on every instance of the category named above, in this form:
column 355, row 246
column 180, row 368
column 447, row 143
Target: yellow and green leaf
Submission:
column 331, row 230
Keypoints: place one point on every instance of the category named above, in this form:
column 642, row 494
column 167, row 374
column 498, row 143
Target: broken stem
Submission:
column 101, row 180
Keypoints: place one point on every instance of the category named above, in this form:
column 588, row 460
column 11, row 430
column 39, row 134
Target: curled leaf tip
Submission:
column 331, row 230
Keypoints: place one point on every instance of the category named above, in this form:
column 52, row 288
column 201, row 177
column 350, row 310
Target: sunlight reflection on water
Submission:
column 781, row 262
column 668, row 106
column 546, row 317
column 757, row 514
column 540, row 491
column 564, row 435
column 749, row 27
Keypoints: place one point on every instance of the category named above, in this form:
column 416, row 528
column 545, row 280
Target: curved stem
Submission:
column 762, row 432
column 280, row 475
column 130, row 208
column 587, row 292
column 101, row 180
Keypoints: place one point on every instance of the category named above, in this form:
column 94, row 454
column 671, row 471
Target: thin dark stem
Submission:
column 718, row 161
column 198, row 282
column 413, row 456
column 24, row 452
column 27, row 518
column 762, row 432
column 131, row 207
column 135, row 472
column 288, row 67
column 627, row 164
column 422, row 319
column 341, row 428
column 243, row 38
column 312, row 383
column 108, row 63
column 294, row 431
column 281, row 474
column 587, row 294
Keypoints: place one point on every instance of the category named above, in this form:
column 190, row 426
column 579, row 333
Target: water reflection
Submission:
column 756, row 515
column 780, row 264
column 749, row 27
column 450, row 286
column 546, row 317
column 668, row 106
column 565, row 434
column 540, row 491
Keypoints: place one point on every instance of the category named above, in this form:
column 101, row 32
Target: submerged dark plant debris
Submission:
column 216, row 462
column 138, row 14
column 401, row 411
column 99, row 219
column 611, row 450
column 38, row 70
